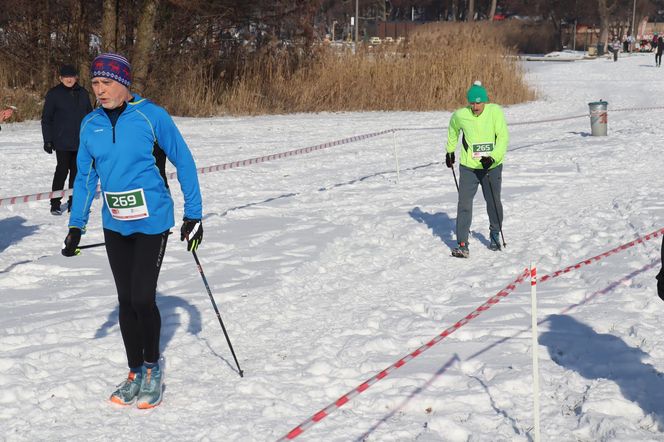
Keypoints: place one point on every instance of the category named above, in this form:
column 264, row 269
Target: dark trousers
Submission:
column 660, row 275
column 66, row 166
column 658, row 58
column 135, row 262
column 469, row 179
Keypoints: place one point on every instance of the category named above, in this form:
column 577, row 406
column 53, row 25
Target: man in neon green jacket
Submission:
column 484, row 140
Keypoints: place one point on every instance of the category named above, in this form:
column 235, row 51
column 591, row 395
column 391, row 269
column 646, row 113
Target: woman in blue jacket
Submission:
column 120, row 146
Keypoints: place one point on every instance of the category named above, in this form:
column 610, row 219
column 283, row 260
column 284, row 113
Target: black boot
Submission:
column 55, row 208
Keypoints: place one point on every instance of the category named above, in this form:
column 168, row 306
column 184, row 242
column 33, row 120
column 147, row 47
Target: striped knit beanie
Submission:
column 113, row 66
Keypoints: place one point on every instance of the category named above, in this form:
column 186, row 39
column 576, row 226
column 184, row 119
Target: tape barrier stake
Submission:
column 322, row 414
column 535, row 355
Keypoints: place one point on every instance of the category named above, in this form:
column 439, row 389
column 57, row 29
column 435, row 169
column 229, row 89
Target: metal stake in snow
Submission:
column 533, row 306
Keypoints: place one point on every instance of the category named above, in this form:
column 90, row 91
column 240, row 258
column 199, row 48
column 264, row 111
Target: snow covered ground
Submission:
column 327, row 270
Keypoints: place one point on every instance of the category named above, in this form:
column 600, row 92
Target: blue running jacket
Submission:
column 135, row 197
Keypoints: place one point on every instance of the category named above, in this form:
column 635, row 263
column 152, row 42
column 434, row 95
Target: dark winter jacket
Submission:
column 660, row 276
column 660, row 45
column 64, row 109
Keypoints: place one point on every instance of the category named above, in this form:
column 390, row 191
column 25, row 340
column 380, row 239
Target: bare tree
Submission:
column 604, row 9
column 143, row 44
column 109, row 26
column 492, row 10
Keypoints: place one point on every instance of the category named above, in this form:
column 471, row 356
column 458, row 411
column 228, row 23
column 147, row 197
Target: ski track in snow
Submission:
column 326, row 271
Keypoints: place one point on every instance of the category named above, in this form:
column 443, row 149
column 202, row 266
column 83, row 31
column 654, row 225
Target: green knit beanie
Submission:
column 477, row 93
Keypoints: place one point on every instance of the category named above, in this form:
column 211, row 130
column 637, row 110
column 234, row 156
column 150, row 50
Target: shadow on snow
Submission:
column 13, row 230
column 170, row 319
column 576, row 346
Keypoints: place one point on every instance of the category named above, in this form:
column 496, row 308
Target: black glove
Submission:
column 70, row 248
column 486, row 162
column 48, row 147
column 660, row 284
column 449, row 159
column 192, row 231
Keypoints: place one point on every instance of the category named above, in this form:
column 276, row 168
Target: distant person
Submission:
column 120, row 145
column 615, row 48
column 484, row 138
column 658, row 51
column 630, row 42
column 64, row 108
column 653, row 42
column 6, row 114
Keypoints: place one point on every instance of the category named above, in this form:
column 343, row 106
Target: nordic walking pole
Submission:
column 493, row 197
column 455, row 180
column 89, row 246
column 216, row 310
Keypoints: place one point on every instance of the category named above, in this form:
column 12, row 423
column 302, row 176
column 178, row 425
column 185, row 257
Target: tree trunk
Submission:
column 492, row 11
column 79, row 42
column 143, row 45
column 44, row 26
column 471, row 10
column 109, row 22
column 604, row 11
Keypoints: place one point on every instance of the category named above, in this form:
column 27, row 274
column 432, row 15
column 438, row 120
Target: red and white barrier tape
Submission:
column 36, row 197
column 295, row 432
column 495, row 299
column 231, row 165
column 601, row 256
column 235, row 164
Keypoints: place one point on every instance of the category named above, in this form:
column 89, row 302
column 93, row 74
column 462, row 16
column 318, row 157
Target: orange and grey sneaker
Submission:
column 127, row 391
column 149, row 396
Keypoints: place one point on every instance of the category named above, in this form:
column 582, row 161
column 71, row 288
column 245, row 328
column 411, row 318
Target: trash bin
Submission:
column 599, row 117
column 600, row 49
column 592, row 51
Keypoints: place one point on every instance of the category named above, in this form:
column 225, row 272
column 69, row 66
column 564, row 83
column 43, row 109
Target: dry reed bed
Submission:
column 432, row 71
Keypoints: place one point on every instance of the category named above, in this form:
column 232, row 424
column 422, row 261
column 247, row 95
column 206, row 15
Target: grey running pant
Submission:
column 468, row 181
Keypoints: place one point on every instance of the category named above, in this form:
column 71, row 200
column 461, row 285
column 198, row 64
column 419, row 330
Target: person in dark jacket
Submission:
column 658, row 53
column 64, row 108
column 660, row 276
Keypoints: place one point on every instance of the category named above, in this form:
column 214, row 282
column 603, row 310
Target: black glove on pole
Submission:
column 192, row 231
column 449, row 162
column 48, row 147
column 449, row 159
column 70, row 247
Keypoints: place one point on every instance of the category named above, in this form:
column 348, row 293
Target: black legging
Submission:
column 658, row 58
column 135, row 262
column 66, row 166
